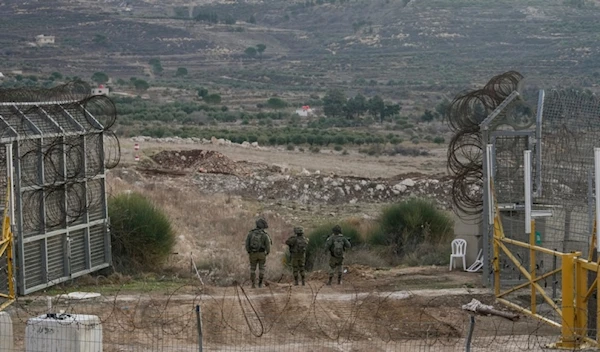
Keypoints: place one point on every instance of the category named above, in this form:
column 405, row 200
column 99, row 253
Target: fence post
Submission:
column 199, row 323
column 470, row 335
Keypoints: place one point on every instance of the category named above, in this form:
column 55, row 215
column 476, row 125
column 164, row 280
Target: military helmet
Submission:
column 298, row 230
column 337, row 229
column 261, row 223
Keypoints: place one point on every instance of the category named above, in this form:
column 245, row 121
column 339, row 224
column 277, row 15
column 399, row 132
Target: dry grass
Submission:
column 211, row 229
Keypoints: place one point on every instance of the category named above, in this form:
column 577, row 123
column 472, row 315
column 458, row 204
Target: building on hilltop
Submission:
column 44, row 39
column 101, row 90
column 304, row 111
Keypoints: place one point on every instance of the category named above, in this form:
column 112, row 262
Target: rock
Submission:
column 363, row 182
column 254, row 144
column 380, row 187
column 304, row 172
column 353, row 201
column 318, row 172
column 294, row 187
column 357, row 187
column 220, row 141
column 408, row 182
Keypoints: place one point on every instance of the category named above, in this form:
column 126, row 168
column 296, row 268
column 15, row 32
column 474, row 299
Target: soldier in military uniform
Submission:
column 336, row 244
column 297, row 245
column 258, row 246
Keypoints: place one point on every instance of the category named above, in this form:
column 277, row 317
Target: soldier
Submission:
column 337, row 245
column 258, row 246
column 297, row 245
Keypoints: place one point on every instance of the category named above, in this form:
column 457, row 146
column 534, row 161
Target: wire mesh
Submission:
column 63, row 144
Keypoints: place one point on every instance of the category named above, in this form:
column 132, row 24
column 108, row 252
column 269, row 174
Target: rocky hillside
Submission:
column 385, row 46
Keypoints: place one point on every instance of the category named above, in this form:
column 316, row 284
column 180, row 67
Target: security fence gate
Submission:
column 60, row 217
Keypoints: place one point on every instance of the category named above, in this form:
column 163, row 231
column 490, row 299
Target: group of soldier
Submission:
column 258, row 246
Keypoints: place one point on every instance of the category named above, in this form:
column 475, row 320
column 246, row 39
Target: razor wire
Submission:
column 68, row 131
column 279, row 317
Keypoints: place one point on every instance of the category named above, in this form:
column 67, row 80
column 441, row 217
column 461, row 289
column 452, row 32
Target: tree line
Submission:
column 336, row 104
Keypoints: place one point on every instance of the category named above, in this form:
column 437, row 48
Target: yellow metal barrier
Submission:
column 6, row 248
column 575, row 290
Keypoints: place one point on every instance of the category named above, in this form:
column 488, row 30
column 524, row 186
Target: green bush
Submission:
column 409, row 224
column 141, row 234
column 438, row 140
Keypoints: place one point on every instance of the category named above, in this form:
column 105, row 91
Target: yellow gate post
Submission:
column 6, row 247
column 568, row 338
column 581, row 282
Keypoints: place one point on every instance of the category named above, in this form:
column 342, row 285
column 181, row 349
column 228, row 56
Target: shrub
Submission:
column 315, row 149
column 409, row 224
column 438, row 140
column 141, row 234
column 290, row 147
column 338, row 148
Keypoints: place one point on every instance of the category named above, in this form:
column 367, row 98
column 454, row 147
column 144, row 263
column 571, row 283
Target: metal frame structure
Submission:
column 47, row 255
column 6, row 241
column 577, row 313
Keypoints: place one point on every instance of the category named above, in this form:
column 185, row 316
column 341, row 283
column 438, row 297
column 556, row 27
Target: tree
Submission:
column 181, row 71
column 442, row 108
column 276, row 103
column 202, row 92
column 334, row 102
column 213, row 98
column 427, row 116
column 141, row 85
column 391, row 109
column 252, row 19
column 156, row 66
column 376, row 107
column 100, row 77
column 250, row 51
column 356, row 106
column 55, row 75
column 261, row 49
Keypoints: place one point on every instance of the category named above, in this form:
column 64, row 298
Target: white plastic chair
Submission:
column 477, row 264
column 459, row 249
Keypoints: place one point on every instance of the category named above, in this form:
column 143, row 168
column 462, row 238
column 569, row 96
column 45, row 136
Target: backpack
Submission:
column 338, row 247
column 301, row 244
column 256, row 241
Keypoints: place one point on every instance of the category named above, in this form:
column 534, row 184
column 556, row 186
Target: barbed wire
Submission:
column 465, row 154
column 287, row 318
column 65, row 143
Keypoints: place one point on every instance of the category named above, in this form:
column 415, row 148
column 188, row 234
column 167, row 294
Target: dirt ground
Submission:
column 327, row 161
column 373, row 310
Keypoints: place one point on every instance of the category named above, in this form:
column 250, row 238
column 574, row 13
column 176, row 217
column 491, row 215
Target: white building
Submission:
column 304, row 111
column 101, row 90
column 44, row 39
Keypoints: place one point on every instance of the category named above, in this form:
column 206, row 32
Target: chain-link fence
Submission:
column 274, row 318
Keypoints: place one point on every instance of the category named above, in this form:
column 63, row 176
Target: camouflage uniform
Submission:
column 336, row 263
column 297, row 245
column 258, row 255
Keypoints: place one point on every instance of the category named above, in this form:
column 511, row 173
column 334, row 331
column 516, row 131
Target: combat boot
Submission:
column 253, row 284
column 303, row 280
column 296, row 281
column 330, row 278
column 253, row 279
column 339, row 279
column 260, row 280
